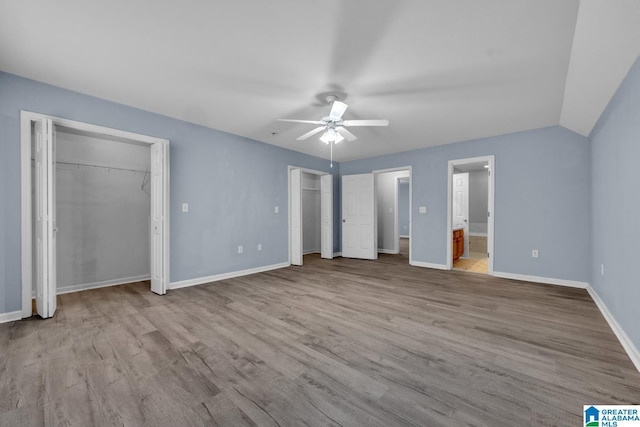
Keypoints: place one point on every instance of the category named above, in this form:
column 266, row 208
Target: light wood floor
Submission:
column 341, row 342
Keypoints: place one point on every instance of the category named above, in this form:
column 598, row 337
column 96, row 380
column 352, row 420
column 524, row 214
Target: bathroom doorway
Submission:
column 470, row 242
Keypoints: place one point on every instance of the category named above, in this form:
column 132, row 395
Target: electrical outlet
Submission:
column 534, row 253
column 423, row 209
column 602, row 269
column 240, row 249
column 259, row 246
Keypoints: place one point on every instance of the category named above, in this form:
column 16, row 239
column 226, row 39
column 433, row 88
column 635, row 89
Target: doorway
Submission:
column 370, row 221
column 393, row 198
column 310, row 214
column 39, row 194
column 470, row 214
column 404, row 214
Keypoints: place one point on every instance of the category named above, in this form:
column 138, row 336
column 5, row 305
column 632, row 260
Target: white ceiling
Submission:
column 440, row 71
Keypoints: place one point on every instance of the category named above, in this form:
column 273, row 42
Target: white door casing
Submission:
column 159, row 218
column 460, row 210
column 358, row 217
column 326, row 205
column 45, row 232
column 295, row 215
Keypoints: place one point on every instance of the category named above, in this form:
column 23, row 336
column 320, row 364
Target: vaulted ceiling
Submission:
column 440, row 71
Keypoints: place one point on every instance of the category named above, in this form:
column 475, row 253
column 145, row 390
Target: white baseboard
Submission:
column 429, row 265
column 539, row 279
column 388, row 251
column 10, row 316
column 104, row 284
column 222, row 276
column 627, row 344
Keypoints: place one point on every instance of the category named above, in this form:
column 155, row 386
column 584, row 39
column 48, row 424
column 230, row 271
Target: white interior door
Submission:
column 461, row 207
column 159, row 245
column 295, row 215
column 326, row 206
column 45, row 227
column 358, row 217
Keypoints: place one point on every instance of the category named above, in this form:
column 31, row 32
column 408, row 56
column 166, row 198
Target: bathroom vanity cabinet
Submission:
column 458, row 243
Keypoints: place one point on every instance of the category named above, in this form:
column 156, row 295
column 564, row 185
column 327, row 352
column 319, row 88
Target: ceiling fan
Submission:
column 335, row 129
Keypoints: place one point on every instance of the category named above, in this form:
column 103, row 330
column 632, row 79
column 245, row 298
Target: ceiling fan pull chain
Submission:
column 331, row 149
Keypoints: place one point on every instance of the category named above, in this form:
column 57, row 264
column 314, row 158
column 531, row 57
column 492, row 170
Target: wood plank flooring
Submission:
column 341, row 342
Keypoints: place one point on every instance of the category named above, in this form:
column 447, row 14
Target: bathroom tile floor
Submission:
column 476, row 263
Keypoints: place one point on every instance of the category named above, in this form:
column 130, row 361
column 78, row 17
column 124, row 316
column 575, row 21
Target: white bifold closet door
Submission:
column 326, row 220
column 45, row 218
column 159, row 218
column 295, row 216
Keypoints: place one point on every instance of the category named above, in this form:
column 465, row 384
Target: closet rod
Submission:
column 102, row 167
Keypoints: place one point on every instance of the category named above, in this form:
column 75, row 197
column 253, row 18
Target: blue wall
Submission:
column 231, row 184
column 542, row 200
column 616, row 205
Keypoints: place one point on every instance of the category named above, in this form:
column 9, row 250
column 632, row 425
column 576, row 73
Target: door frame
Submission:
column 289, row 195
column 26, row 120
column 375, row 208
column 490, row 206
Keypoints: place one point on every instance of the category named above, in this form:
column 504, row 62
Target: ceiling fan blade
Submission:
column 311, row 133
column 347, row 134
column 313, row 122
column 365, row 123
column 337, row 110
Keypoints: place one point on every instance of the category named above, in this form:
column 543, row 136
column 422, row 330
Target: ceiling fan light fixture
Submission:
column 330, row 136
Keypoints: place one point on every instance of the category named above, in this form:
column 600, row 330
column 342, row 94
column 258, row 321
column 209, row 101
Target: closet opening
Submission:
column 94, row 210
column 103, row 201
column 310, row 214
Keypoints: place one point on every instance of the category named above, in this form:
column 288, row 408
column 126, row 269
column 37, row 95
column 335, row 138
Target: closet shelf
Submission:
column 90, row 165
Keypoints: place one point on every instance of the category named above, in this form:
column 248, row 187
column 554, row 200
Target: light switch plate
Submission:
column 423, row 209
column 276, row 209
column 185, row 207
